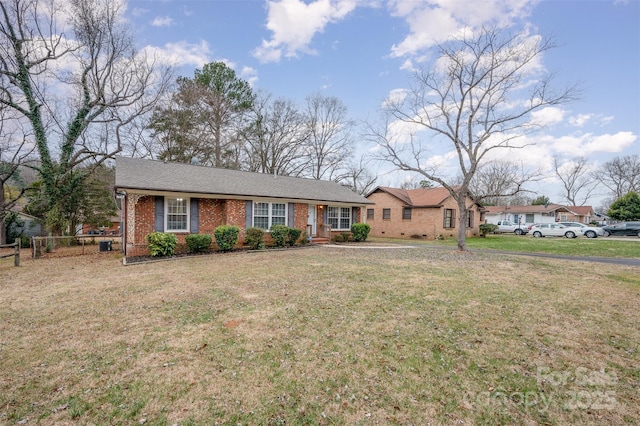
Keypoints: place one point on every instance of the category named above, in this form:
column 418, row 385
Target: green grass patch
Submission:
column 331, row 335
column 599, row 247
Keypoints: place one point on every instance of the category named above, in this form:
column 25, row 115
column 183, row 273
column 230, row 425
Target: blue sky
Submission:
column 362, row 50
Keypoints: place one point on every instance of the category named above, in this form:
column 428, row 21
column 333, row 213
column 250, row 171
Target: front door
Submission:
column 311, row 219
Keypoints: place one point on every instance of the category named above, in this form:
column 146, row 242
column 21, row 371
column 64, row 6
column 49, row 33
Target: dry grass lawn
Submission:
column 319, row 336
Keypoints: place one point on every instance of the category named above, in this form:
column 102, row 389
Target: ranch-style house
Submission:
column 418, row 213
column 186, row 199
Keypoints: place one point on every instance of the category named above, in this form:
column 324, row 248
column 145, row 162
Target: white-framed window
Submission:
column 176, row 216
column 339, row 217
column 267, row 214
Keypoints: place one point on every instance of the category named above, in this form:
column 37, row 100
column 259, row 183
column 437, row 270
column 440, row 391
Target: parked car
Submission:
column 587, row 231
column 622, row 228
column 504, row 226
column 554, row 230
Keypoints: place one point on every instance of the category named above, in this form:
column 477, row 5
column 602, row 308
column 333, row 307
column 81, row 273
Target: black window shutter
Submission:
column 195, row 215
column 290, row 219
column 159, row 213
column 354, row 215
column 248, row 214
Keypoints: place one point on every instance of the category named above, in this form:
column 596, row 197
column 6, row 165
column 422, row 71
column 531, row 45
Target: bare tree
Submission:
column 77, row 82
column 620, row 175
column 329, row 144
column 358, row 176
column 577, row 181
column 276, row 137
column 470, row 104
column 500, row 180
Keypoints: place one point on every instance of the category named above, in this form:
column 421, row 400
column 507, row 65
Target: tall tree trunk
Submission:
column 462, row 222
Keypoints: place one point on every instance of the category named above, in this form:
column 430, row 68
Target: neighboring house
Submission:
column 112, row 229
column 186, row 199
column 418, row 213
column 528, row 215
column 582, row 214
column 32, row 226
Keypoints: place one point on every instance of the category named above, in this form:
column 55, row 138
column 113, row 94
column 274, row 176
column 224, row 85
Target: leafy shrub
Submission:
column 254, row 238
column 197, row 243
column 279, row 234
column 360, row 231
column 161, row 243
column 305, row 238
column 292, row 235
column 342, row 237
column 226, row 237
column 487, row 228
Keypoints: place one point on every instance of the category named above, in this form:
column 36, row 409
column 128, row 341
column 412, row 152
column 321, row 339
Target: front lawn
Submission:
column 325, row 335
column 626, row 247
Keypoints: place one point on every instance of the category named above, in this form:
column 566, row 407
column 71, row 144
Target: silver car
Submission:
column 587, row 231
column 554, row 230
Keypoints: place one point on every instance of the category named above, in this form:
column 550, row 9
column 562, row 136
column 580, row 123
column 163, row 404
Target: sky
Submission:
column 361, row 51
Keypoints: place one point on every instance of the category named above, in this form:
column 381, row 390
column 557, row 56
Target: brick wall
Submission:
column 212, row 213
column 424, row 222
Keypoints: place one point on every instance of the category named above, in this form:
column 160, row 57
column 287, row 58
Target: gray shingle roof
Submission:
column 136, row 173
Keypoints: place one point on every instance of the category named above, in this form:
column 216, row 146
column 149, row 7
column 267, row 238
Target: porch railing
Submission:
column 324, row 231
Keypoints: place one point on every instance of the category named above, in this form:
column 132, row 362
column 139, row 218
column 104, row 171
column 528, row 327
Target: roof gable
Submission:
column 582, row 210
column 421, row 197
column 141, row 174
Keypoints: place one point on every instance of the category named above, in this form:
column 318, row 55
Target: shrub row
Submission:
column 164, row 244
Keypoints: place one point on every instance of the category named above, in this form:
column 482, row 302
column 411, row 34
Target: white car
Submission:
column 587, row 231
column 554, row 230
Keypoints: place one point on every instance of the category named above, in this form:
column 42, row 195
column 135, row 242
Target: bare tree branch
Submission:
column 478, row 97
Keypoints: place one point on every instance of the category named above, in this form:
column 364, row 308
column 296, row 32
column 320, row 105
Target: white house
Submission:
column 528, row 215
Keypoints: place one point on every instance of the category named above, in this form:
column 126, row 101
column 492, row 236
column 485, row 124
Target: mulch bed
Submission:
column 133, row 260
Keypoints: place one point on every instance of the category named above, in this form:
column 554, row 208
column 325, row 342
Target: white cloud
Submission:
column 547, row 116
column 181, row 53
column 580, row 119
column 609, row 143
column 433, row 21
column 395, row 96
column 249, row 74
column 294, row 23
column 162, row 21
column 139, row 11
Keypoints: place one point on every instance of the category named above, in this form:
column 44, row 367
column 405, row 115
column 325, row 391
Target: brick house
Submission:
column 418, row 213
column 187, row 199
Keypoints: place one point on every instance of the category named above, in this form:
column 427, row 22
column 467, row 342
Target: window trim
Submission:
column 470, row 221
column 187, row 200
column 370, row 214
column 340, row 217
column 270, row 213
column 452, row 219
column 406, row 216
column 386, row 214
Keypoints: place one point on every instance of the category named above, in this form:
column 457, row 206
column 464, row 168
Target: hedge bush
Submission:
column 487, row 228
column 197, row 243
column 226, row 237
column 292, row 235
column 279, row 234
column 161, row 243
column 360, row 231
column 254, row 238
